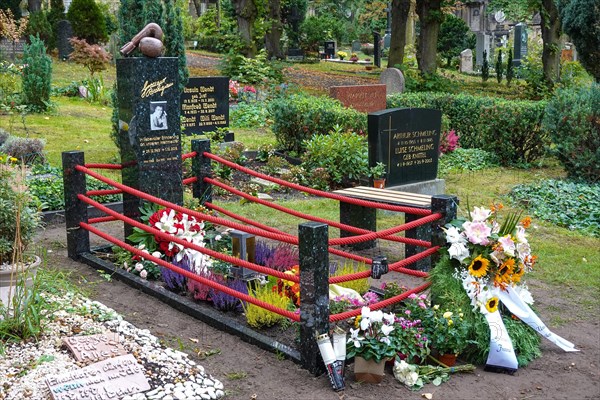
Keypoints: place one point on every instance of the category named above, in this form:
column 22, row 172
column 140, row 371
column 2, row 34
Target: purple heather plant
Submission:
column 227, row 302
column 263, row 253
column 201, row 291
column 174, row 281
column 281, row 257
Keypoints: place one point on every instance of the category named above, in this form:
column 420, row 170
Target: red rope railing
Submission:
column 334, row 196
column 191, row 275
column 103, row 166
column 190, row 180
column 189, row 155
column 355, row 239
column 101, row 219
column 103, row 192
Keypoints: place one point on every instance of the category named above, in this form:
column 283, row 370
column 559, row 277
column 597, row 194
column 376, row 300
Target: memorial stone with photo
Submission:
column 205, row 105
column 407, row 142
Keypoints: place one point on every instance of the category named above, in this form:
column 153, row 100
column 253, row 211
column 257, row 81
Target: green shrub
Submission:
column 572, row 120
column 256, row 70
column 297, row 117
column 87, row 21
column 39, row 26
column 344, row 155
column 10, row 82
column 466, row 160
column 249, row 115
column 37, row 75
column 575, row 206
column 510, row 129
column 315, row 29
column 485, row 67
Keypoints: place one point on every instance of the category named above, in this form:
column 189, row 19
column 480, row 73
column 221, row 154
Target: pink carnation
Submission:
column 477, row 232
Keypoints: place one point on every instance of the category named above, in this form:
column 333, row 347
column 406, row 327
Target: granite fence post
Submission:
column 201, row 168
column 78, row 239
column 446, row 205
column 314, row 292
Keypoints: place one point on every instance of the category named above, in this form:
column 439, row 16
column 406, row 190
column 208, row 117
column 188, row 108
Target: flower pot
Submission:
column 368, row 371
column 8, row 286
column 447, row 359
column 379, row 183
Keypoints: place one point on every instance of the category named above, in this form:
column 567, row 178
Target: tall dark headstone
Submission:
column 520, row 44
column 205, row 104
column 377, row 49
column 407, row 142
column 64, row 32
column 330, row 49
column 149, row 129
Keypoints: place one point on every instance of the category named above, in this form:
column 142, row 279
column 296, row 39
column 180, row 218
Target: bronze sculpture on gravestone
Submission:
column 148, row 40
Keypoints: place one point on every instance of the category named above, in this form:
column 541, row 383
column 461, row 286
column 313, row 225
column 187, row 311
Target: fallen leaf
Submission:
column 86, row 141
column 254, row 397
column 193, row 340
column 428, row 396
column 46, row 117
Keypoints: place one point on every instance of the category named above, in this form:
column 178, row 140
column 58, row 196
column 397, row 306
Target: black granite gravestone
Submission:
column 64, row 32
column 295, row 55
column 330, row 49
column 377, row 49
column 149, row 129
column 407, row 142
column 520, row 41
column 205, row 104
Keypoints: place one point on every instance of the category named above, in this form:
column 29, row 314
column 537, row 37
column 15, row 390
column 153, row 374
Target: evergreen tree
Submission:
column 174, row 40
column 87, row 21
column 153, row 12
column 485, row 67
column 510, row 72
column 37, row 75
column 131, row 20
column 39, row 26
column 499, row 67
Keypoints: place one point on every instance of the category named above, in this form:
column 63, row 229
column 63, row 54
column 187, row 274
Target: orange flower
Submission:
column 496, row 207
column 526, row 222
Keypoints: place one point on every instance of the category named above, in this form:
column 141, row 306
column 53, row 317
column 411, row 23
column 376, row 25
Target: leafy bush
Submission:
column 315, row 29
column 510, row 129
column 25, row 149
column 575, row 206
column 39, row 26
column 466, row 160
column 256, row 70
column 87, row 21
column 249, row 115
column 37, row 75
column 297, row 117
column 572, row 120
column 10, row 82
column 343, row 154
column 91, row 56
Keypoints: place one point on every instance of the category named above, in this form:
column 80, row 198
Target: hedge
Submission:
column 509, row 129
column 297, row 117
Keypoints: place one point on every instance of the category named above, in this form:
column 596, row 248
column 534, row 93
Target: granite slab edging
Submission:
column 199, row 311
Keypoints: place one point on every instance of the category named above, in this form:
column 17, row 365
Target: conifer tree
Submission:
column 174, row 40
column 37, row 75
column 153, row 12
column 499, row 67
column 485, row 67
column 510, row 72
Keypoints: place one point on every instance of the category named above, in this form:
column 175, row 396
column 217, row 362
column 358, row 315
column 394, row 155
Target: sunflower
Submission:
column 478, row 267
column 516, row 276
column 492, row 304
column 506, row 269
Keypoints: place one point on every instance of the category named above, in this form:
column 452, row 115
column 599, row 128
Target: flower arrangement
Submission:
column 415, row 376
column 342, row 54
column 449, row 141
column 410, row 340
column 289, row 289
column 490, row 255
column 371, row 339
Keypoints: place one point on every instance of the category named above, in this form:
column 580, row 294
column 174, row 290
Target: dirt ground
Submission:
column 251, row 373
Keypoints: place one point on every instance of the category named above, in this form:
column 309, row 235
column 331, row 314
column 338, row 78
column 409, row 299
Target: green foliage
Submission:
column 510, row 69
column 499, row 67
column 257, row 70
column 213, row 38
column 249, row 115
column 466, row 160
column 581, row 21
column 39, row 26
column 18, row 213
column 572, row 119
column 453, row 37
column 298, row 117
column 174, row 40
column 509, row 129
column 531, row 70
column 575, row 206
column 343, row 154
column 572, row 74
column 131, row 20
column 10, row 83
column 87, row 21
column 315, row 29
column 37, row 75
column 485, row 67
column 258, row 317
column 417, row 82
column 358, row 285
column 153, row 11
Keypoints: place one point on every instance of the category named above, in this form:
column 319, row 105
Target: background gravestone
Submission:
column 205, row 104
column 295, row 55
column 330, row 49
column 466, row 60
column 149, row 129
column 355, row 46
column 482, row 43
column 363, row 98
column 64, row 32
column 393, row 79
column 407, row 142
column 520, row 51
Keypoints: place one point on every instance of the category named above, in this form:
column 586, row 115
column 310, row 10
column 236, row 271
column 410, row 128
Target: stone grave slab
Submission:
column 363, row 98
column 205, row 104
column 466, row 60
column 393, row 79
column 407, row 142
column 94, row 348
column 113, row 378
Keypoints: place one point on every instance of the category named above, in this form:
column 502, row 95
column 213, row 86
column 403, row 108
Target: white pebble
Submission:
column 220, row 394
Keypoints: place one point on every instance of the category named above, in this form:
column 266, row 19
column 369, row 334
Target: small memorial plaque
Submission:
column 114, row 378
column 363, row 98
column 93, row 348
column 205, row 104
column 407, row 142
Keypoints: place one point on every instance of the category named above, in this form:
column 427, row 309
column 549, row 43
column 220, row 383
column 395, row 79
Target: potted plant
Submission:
column 377, row 172
column 371, row 344
column 448, row 333
column 354, row 57
column 342, row 54
column 19, row 220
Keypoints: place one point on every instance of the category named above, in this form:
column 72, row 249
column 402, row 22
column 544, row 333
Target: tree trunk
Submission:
column 400, row 10
column 34, row 5
column 198, row 7
column 551, row 31
column 430, row 18
column 246, row 13
column 273, row 35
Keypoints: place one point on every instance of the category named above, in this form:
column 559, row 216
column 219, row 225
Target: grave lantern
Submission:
column 243, row 246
